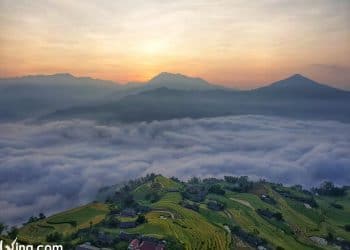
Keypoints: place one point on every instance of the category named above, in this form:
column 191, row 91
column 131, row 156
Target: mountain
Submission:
column 298, row 86
column 284, row 98
column 30, row 96
column 229, row 213
column 166, row 96
column 179, row 82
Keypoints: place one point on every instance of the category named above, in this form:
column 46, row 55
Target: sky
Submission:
column 235, row 43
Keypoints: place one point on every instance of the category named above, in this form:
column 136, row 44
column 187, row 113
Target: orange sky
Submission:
column 235, row 43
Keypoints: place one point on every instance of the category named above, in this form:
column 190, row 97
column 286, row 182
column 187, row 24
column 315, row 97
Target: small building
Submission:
column 86, row 246
column 136, row 244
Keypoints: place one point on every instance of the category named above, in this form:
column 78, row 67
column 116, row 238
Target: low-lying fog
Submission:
column 57, row 165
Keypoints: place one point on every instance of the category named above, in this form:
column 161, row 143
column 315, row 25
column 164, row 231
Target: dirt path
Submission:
column 243, row 202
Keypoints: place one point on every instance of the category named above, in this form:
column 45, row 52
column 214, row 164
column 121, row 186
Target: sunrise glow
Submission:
column 234, row 43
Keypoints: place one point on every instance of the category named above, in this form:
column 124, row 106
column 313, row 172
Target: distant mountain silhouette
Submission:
column 166, row 96
column 179, row 82
column 298, row 86
column 29, row 96
column 284, row 98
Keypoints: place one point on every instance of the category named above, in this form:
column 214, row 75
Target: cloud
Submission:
column 57, row 165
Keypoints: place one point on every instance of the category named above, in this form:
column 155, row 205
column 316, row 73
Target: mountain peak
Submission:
column 297, row 86
column 63, row 75
column 168, row 76
column 298, row 77
column 179, row 82
column 296, row 80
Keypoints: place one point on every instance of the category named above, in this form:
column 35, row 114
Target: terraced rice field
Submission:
column 66, row 222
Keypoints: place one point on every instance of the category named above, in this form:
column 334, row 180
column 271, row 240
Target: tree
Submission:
column 112, row 221
column 230, row 179
column 12, row 234
column 54, row 237
column 175, row 179
column 328, row 188
column 194, row 180
column 2, row 227
column 216, row 189
column 42, row 216
column 141, row 219
column 31, row 219
column 173, row 244
column 129, row 200
column 278, row 216
column 156, row 185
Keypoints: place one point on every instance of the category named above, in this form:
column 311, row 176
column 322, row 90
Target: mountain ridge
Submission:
column 161, row 79
column 295, row 96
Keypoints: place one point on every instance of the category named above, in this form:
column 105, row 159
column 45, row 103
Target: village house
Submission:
column 137, row 244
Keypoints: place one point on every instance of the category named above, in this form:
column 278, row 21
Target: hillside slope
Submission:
column 230, row 213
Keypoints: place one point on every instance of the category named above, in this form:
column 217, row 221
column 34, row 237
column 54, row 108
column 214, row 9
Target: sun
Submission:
column 154, row 47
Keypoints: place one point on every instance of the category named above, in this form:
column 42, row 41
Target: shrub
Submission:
column 216, row 189
column 54, row 237
column 12, row 234
column 141, row 219
column 337, row 206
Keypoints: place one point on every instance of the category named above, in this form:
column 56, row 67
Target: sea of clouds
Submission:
column 57, row 165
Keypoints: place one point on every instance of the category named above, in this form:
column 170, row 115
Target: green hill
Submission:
column 229, row 213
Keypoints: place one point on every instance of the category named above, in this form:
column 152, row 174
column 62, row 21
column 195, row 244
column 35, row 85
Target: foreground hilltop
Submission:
column 229, row 213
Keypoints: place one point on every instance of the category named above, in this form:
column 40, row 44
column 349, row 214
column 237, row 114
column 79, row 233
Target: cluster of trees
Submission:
column 11, row 233
column 216, row 189
column 269, row 214
column 54, row 237
column 173, row 244
column 35, row 218
column 239, row 184
column 132, row 184
column 328, row 188
column 193, row 206
column 141, row 219
column 111, row 221
column 249, row 238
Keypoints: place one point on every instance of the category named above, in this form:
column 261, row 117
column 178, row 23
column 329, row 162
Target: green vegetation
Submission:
column 228, row 213
column 64, row 223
